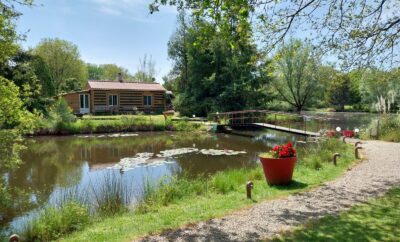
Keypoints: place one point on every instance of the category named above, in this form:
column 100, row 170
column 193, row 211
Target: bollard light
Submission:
column 356, row 130
column 249, row 187
column 338, row 129
column 194, row 116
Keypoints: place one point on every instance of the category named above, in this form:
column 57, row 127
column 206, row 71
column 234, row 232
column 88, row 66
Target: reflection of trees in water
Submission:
column 197, row 164
column 273, row 138
column 50, row 162
column 347, row 120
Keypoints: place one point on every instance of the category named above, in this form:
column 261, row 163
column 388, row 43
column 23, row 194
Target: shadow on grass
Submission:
column 378, row 220
column 294, row 185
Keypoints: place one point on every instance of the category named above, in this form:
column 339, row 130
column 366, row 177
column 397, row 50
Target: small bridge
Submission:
column 281, row 121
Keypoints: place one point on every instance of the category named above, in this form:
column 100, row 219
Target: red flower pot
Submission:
column 348, row 133
column 278, row 171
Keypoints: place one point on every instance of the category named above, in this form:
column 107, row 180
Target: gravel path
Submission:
column 373, row 177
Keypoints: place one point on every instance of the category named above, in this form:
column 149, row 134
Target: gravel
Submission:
column 373, row 177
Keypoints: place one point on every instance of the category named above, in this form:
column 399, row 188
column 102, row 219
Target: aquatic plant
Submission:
column 55, row 221
column 111, row 195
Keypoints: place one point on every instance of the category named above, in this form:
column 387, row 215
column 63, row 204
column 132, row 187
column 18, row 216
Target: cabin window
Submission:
column 147, row 100
column 112, row 100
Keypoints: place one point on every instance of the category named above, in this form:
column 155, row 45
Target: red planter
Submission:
column 278, row 171
column 348, row 133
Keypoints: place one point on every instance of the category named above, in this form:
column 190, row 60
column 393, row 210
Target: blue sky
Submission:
column 106, row 31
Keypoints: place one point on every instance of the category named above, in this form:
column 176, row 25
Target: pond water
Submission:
column 53, row 165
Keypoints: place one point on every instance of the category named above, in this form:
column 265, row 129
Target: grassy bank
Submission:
column 388, row 128
column 113, row 124
column 177, row 201
column 377, row 220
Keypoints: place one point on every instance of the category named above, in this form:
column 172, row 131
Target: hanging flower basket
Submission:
column 278, row 165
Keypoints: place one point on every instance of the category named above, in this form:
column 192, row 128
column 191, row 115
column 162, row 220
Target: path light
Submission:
column 249, row 187
column 14, row 238
column 334, row 158
column 356, row 130
column 338, row 129
column 357, row 154
column 217, row 113
column 194, row 116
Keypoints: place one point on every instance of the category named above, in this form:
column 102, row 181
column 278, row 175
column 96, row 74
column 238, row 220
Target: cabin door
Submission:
column 84, row 103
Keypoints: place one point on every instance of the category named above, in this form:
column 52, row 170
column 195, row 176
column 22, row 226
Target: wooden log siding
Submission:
column 159, row 100
column 100, row 98
column 131, row 99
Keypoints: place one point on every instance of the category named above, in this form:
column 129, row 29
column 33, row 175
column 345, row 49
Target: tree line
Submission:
column 219, row 66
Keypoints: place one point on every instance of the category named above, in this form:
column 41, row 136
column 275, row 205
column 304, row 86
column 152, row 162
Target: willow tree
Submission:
column 296, row 73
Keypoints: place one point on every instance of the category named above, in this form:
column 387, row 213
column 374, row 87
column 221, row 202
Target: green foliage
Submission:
column 61, row 120
column 338, row 92
column 10, row 105
column 8, row 33
column 107, row 72
column 214, row 66
column 297, row 73
column 377, row 220
column 61, row 112
column 388, row 128
column 315, row 156
column 376, row 84
column 54, row 222
column 20, row 69
column 62, row 60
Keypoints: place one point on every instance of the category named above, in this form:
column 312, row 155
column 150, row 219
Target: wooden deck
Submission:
column 287, row 130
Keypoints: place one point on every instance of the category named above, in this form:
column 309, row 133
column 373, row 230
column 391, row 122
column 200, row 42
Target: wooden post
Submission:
column 377, row 130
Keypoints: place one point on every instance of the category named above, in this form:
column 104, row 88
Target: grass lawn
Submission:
column 377, row 220
column 188, row 201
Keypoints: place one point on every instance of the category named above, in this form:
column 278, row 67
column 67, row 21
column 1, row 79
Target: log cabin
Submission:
column 118, row 97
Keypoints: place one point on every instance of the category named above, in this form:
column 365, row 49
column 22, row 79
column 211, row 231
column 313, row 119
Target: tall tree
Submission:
column 146, row 71
column 297, row 73
column 110, row 72
column 216, row 68
column 63, row 61
column 95, row 72
column 20, row 69
column 338, row 92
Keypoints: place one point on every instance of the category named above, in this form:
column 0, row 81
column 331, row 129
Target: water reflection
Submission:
column 51, row 165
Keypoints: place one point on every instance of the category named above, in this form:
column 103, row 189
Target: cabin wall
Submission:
column 127, row 99
column 72, row 100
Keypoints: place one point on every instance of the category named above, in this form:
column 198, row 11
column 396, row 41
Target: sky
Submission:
column 105, row 31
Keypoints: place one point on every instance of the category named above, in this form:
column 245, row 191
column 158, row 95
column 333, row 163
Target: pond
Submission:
column 53, row 165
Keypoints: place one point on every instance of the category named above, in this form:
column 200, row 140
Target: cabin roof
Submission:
column 116, row 85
